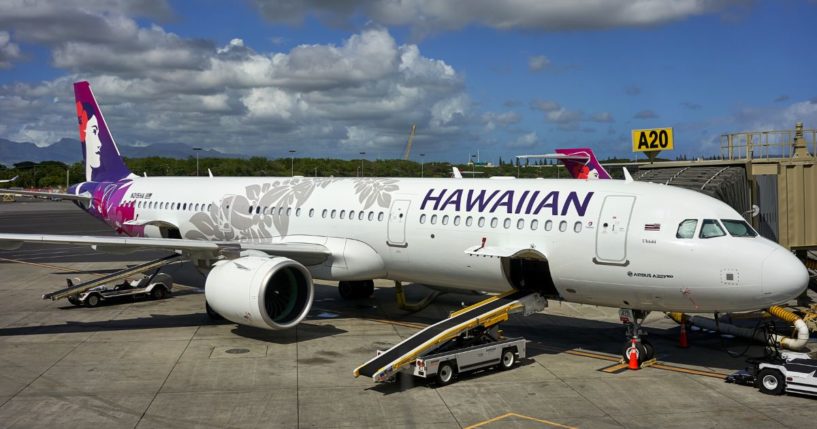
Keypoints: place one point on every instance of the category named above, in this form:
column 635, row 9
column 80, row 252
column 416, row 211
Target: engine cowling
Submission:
column 268, row 293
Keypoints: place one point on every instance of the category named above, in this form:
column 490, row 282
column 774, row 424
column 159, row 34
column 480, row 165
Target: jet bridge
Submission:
column 486, row 313
column 73, row 289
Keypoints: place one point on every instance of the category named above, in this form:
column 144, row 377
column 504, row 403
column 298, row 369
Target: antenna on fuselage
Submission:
column 627, row 176
column 210, row 173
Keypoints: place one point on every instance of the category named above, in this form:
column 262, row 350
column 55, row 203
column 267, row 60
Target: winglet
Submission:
column 627, row 176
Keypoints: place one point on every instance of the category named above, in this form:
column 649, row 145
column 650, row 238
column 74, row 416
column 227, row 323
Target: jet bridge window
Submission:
column 738, row 228
column 710, row 228
column 686, row 229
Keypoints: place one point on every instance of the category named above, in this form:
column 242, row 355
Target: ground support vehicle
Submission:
column 790, row 373
column 157, row 286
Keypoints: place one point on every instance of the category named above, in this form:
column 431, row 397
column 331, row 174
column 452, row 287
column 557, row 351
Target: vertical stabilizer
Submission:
column 102, row 160
column 584, row 165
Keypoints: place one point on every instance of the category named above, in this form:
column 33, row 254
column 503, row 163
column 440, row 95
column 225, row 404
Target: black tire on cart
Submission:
column 771, row 381
column 74, row 300
column 508, row 359
column 93, row 300
column 158, row 292
column 446, row 373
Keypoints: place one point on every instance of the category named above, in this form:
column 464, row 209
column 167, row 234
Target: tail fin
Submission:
column 102, row 160
column 582, row 164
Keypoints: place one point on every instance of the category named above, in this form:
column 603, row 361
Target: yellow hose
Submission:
column 782, row 313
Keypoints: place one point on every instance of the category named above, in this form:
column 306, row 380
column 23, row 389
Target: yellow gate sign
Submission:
column 653, row 139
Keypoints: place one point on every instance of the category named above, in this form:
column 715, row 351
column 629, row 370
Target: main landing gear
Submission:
column 636, row 343
column 357, row 289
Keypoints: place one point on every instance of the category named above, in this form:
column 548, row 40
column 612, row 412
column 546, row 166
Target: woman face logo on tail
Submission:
column 89, row 135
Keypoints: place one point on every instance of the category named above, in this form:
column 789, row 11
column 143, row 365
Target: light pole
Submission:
column 197, row 150
column 361, row 163
column 292, row 162
column 473, row 167
column 422, row 163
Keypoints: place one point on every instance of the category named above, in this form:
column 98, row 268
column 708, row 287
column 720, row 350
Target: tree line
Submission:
column 55, row 174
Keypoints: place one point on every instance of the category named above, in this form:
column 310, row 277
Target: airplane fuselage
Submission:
column 610, row 243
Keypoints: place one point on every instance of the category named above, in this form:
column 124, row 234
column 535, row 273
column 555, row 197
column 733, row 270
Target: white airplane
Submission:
column 616, row 243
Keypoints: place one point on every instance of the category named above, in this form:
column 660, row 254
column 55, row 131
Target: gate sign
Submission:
column 653, row 139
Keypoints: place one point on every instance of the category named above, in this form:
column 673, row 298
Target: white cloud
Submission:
column 525, row 141
column 9, row 51
column 491, row 120
column 538, row 63
column 604, row 117
column 428, row 16
column 166, row 88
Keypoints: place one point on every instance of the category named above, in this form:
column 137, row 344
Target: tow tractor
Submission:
column 778, row 372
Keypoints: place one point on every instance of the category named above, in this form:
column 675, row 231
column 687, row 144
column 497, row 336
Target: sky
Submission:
column 330, row 78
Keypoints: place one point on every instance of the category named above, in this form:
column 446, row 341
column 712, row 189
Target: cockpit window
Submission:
column 686, row 229
column 710, row 229
column 738, row 228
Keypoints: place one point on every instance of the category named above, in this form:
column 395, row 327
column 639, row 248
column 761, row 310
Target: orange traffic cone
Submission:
column 632, row 353
column 682, row 340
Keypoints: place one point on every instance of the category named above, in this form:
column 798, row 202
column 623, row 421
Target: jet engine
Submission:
column 265, row 292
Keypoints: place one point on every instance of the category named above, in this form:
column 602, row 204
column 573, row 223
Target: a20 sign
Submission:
column 652, row 139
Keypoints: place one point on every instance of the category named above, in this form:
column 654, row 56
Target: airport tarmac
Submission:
column 165, row 364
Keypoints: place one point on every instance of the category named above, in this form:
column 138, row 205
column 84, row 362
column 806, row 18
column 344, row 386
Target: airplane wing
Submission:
column 39, row 194
column 9, row 180
column 305, row 253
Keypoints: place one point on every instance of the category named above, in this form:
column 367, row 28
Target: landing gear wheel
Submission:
column 446, row 373
column 508, row 359
column 642, row 352
column 347, row 291
column 92, row 300
column 158, row 292
column 650, row 349
column 356, row 289
column 212, row 313
column 771, row 381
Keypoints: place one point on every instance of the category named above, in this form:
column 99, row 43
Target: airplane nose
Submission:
column 784, row 276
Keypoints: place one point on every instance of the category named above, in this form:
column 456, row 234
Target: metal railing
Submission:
column 765, row 144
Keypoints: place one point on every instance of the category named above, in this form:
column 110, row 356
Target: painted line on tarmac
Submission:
column 49, row 266
column 520, row 416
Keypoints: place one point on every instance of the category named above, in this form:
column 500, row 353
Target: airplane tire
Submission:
column 356, row 289
column 74, row 300
column 347, row 291
column 771, row 381
column 508, row 359
column 650, row 349
column 446, row 374
column 92, row 300
column 642, row 352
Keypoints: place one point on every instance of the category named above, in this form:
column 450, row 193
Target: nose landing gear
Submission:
column 636, row 343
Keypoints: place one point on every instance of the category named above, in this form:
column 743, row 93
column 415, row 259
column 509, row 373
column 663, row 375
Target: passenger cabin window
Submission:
column 433, row 219
column 456, row 220
column 563, row 226
column 423, row 218
column 710, row 228
column 548, row 225
column 738, row 228
column 469, row 221
column 380, row 216
column 520, row 223
column 343, row 214
column 686, row 229
column 577, row 227
column 494, row 222
column 507, row 223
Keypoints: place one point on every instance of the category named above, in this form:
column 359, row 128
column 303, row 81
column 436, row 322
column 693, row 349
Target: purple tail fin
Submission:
column 583, row 164
column 102, row 160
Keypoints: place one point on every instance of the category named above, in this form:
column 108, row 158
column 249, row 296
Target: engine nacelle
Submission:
column 269, row 293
